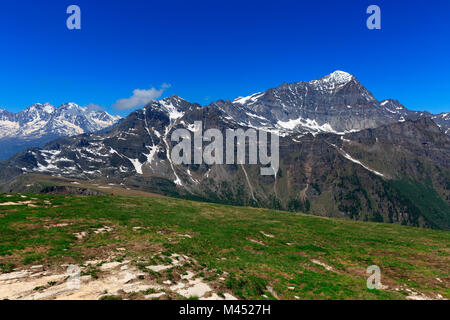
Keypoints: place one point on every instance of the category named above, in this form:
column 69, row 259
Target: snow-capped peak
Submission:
column 46, row 107
column 41, row 120
column 39, row 107
column 332, row 81
column 173, row 106
column 340, row 76
column 69, row 105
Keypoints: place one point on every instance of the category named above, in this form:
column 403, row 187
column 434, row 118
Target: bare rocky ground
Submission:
column 110, row 279
column 115, row 278
column 105, row 279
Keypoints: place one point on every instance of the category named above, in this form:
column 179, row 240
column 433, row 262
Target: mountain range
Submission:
column 41, row 123
column 343, row 153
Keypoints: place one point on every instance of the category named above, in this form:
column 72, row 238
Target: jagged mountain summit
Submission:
column 41, row 123
column 342, row 153
column 443, row 121
column 337, row 103
column 39, row 120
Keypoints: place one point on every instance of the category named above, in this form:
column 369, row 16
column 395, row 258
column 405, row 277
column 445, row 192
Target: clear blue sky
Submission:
column 209, row 50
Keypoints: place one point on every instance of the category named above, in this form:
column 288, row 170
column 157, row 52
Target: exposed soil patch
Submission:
column 267, row 235
column 19, row 203
column 327, row 267
column 256, row 241
column 70, row 190
column 100, row 279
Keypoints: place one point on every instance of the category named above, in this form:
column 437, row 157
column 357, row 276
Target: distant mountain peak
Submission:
column 336, row 103
column 42, row 122
column 174, row 106
column 174, row 100
column 173, row 97
column 46, row 107
column 69, row 105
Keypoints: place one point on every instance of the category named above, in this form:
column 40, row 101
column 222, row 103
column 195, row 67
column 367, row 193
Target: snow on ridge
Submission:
column 290, row 124
column 171, row 110
column 444, row 116
column 332, row 81
column 255, row 116
column 391, row 106
column 306, row 123
column 46, row 107
column 251, row 98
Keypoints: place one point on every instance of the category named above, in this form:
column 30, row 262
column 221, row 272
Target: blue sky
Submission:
column 209, row 50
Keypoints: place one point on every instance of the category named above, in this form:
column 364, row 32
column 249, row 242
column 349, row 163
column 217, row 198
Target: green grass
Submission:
column 6, row 267
column 220, row 243
column 106, row 298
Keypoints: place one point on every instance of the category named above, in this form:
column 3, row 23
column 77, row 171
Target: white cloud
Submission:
column 140, row 97
column 93, row 107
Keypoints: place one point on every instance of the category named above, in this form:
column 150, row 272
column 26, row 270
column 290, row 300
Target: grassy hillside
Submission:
column 246, row 252
column 423, row 200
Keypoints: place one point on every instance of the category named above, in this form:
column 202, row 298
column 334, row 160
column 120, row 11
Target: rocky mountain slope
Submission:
column 41, row 123
column 342, row 154
column 337, row 103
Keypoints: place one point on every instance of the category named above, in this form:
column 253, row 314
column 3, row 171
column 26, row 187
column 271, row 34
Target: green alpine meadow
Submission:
column 235, row 252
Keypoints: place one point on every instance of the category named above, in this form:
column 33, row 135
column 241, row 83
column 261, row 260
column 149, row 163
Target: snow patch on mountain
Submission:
column 137, row 165
column 171, row 110
column 309, row 124
column 349, row 157
column 249, row 99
